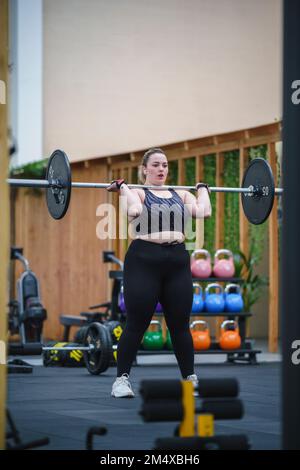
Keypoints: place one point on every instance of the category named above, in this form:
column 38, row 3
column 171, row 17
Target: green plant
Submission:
column 30, row 170
column 253, row 284
column 231, row 218
column 33, row 170
column 210, row 223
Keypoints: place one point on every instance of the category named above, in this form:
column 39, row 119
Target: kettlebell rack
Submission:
column 245, row 353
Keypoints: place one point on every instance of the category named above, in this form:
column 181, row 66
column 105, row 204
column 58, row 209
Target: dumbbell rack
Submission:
column 244, row 354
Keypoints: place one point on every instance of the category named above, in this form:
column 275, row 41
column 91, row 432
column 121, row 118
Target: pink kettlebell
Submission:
column 201, row 264
column 223, row 267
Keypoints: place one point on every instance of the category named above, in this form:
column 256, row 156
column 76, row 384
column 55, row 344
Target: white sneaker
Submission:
column 194, row 379
column 121, row 387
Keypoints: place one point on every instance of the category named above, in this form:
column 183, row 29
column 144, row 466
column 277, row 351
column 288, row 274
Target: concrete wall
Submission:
column 128, row 74
column 26, row 84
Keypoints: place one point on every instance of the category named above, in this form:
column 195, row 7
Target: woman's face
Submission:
column 156, row 171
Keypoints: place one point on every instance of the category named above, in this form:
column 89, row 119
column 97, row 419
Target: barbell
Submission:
column 97, row 348
column 257, row 191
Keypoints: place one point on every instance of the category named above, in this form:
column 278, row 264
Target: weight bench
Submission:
column 71, row 320
column 83, row 319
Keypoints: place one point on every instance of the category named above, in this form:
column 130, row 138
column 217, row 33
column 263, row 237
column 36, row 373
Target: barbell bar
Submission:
column 52, row 184
column 257, row 191
column 89, row 348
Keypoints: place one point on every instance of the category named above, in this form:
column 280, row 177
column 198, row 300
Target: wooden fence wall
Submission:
column 65, row 254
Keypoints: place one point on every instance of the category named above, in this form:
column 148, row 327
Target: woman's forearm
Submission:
column 134, row 205
column 203, row 202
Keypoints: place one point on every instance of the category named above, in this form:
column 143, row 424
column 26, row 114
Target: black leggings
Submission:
column 152, row 273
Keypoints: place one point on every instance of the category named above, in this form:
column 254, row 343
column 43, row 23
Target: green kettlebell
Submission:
column 168, row 343
column 153, row 338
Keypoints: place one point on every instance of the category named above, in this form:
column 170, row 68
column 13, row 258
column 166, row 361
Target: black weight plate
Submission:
column 58, row 199
column 80, row 334
column 259, row 174
column 98, row 359
column 115, row 328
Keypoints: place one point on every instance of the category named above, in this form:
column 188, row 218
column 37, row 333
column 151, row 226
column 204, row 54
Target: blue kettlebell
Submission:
column 197, row 298
column 233, row 298
column 214, row 302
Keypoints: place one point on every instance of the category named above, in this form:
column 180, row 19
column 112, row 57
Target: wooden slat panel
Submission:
column 122, row 222
column 66, row 255
column 199, row 168
column 273, row 261
column 219, row 239
column 243, row 222
column 220, row 206
column 4, row 214
column 207, row 149
column 199, row 176
column 181, row 173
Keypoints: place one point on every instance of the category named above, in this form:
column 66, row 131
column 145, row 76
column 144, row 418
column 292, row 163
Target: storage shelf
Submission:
column 119, row 275
column 220, row 314
column 219, row 279
column 144, row 352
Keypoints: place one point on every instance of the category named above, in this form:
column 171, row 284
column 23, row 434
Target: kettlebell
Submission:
column 233, row 298
column 200, row 334
column 223, row 267
column 153, row 338
column 168, row 343
column 214, row 302
column 121, row 300
column 201, row 264
column 230, row 337
column 197, row 298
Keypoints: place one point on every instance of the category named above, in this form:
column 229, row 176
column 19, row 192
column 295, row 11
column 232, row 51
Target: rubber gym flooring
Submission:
column 63, row 403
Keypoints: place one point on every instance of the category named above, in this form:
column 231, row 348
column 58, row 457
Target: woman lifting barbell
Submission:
column 157, row 265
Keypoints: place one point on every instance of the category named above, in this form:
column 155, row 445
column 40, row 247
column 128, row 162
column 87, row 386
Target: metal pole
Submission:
column 91, row 347
column 69, row 348
column 29, row 183
column 290, row 253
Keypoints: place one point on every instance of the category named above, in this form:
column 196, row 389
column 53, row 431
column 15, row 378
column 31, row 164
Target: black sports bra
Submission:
column 160, row 214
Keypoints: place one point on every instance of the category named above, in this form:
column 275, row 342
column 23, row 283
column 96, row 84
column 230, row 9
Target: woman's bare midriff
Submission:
column 163, row 237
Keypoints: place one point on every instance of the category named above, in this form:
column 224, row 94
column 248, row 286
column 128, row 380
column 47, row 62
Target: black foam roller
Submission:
column 210, row 388
column 226, row 408
column 162, row 389
column 25, row 349
column 162, row 411
column 230, row 442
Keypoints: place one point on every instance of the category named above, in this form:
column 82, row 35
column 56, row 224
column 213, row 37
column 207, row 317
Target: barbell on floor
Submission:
column 257, row 191
column 97, row 348
column 90, row 348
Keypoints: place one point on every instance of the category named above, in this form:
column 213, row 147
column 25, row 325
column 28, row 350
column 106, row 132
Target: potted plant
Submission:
column 253, row 284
